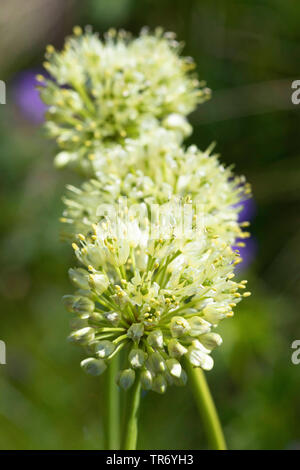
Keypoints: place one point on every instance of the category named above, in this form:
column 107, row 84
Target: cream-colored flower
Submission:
column 102, row 92
column 155, row 226
column 190, row 178
column 157, row 299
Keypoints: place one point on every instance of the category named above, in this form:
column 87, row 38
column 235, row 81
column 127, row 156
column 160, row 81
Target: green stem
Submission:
column 113, row 406
column 206, row 407
column 131, row 426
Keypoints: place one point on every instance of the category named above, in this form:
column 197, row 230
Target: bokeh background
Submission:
column 248, row 52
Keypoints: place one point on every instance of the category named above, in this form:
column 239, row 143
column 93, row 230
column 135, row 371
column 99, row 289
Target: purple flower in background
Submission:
column 248, row 210
column 249, row 251
column 27, row 98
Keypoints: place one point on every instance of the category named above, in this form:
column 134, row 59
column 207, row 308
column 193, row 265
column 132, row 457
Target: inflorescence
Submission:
column 153, row 229
column 104, row 93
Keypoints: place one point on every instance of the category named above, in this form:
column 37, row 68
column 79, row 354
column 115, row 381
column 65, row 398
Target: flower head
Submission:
column 107, row 91
column 157, row 299
column 156, row 225
column 158, row 175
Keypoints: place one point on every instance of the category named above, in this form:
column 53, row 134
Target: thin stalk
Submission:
column 113, row 406
column 206, row 407
column 131, row 425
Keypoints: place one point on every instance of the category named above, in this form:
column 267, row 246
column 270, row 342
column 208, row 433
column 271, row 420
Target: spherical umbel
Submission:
column 103, row 92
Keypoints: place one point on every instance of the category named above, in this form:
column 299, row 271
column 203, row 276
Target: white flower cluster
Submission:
column 153, row 229
column 155, row 176
column 105, row 93
column 156, row 299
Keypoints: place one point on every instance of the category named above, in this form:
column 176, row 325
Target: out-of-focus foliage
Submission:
column 248, row 54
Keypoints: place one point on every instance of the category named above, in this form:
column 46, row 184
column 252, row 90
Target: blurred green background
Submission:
column 248, row 52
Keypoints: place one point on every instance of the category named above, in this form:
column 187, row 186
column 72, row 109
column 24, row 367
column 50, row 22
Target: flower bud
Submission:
column 156, row 339
column 99, row 282
column 198, row 326
column 157, row 363
column 199, row 359
column 179, row 327
column 181, row 380
column 83, row 305
column 79, row 277
column 196, row 344
column 126, row 378
column 93, row 366
column 136, row 358
column 68, row 301
column 77, row 323
column 96, row 318
column 113, row 318
column 174, row 367
column 146, row 379
column 214, row 314
column 135, row 332
column 104, row 348
column 211, row 340
column 82, row 336
column 159, row 384
column 176, row 349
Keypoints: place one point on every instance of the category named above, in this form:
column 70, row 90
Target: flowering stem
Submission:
column 131, row 426
column 113, row 406
column 206, row 407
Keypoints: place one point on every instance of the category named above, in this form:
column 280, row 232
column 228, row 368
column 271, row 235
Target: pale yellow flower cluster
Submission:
column 153, row 229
